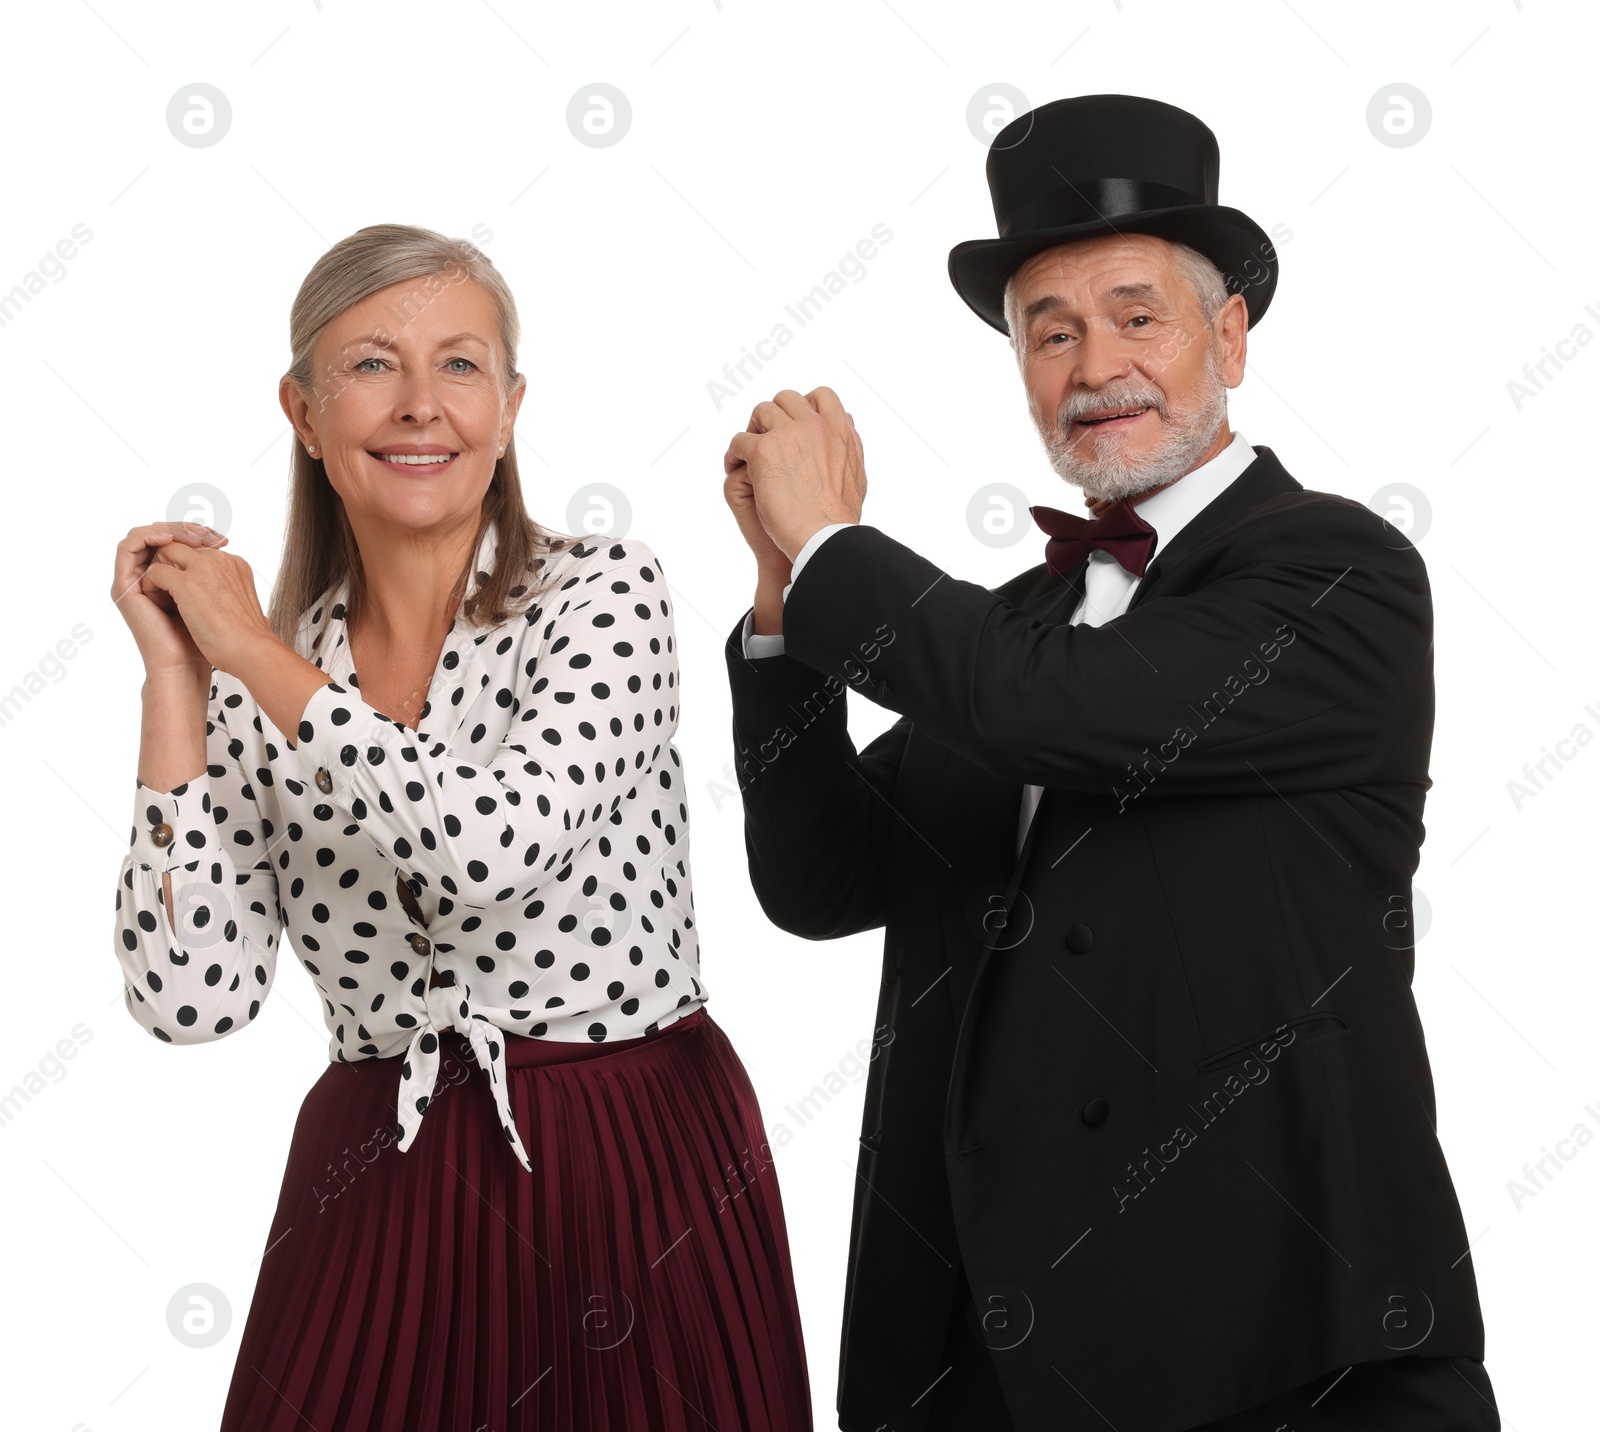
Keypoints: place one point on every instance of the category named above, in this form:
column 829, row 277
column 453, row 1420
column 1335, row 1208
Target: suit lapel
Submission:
column 1053, row 601
column 1263, row 479
column 987, row 856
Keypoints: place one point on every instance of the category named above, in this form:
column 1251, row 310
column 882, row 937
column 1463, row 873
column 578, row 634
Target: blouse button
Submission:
column 324, row 780
column 419, row 943
column 161, row 834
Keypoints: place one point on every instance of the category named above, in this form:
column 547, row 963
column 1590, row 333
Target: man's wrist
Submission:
column 768, row 607
column 811, row 530
column 773, row 572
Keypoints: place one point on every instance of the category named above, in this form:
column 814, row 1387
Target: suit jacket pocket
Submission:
column 1290, row 1031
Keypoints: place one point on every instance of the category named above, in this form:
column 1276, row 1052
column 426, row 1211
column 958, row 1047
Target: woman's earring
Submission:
column 312, row 449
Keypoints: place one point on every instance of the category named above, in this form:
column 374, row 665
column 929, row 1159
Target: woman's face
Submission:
column 407, row 413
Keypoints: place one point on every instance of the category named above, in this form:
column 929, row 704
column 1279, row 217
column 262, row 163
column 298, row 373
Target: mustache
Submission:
column 1087, row 405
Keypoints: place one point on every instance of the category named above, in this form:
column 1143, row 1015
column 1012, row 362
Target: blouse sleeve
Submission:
column 208, row 976
column 593, row 712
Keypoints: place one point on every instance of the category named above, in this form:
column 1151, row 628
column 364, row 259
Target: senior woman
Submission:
column 444, row 764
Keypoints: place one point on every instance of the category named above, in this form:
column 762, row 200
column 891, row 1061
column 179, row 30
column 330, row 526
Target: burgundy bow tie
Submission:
column 1118, row 530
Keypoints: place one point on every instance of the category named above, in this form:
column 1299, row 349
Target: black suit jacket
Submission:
column 1159, row 1082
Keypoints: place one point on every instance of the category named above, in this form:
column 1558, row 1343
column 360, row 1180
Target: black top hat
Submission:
column 1108, row 163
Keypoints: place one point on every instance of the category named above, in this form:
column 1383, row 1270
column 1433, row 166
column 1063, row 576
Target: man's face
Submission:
column 1110, row 326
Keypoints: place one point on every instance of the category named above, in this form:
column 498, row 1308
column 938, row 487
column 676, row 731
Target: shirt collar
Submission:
column 325, row 617
column 1171, row 509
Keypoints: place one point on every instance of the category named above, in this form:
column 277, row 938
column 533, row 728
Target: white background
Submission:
column 766, row 140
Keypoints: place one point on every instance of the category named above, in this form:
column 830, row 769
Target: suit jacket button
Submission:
column 1095, row 1112
column 1080, row 939
column 161, row 834
column 324, row 780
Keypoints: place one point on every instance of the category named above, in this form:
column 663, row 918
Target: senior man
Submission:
column 1150, row 1144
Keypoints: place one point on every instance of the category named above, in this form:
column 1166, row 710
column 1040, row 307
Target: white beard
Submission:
column 1099, row 466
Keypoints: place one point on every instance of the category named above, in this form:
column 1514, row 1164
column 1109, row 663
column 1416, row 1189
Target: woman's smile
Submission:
column 414, row 459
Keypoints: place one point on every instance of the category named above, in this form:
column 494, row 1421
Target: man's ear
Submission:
column 1230, row 334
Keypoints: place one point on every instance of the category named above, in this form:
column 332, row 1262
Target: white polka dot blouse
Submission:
column 519, row 862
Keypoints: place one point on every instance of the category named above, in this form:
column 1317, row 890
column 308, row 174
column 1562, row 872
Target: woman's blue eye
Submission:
column 459, row 372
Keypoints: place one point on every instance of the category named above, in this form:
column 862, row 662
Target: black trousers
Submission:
column 1402, row 1394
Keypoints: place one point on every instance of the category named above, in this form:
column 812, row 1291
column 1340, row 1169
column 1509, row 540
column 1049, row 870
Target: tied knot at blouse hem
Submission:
column 536, row 821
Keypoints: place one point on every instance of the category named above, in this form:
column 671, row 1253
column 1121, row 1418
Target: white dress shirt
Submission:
column 1108, row 585
column 537, row 818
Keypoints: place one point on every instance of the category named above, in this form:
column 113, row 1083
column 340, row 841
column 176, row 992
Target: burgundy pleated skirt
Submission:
column 638, row 1279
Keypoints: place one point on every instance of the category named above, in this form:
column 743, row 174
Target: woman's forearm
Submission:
column 172, row 739
column 281, row 680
